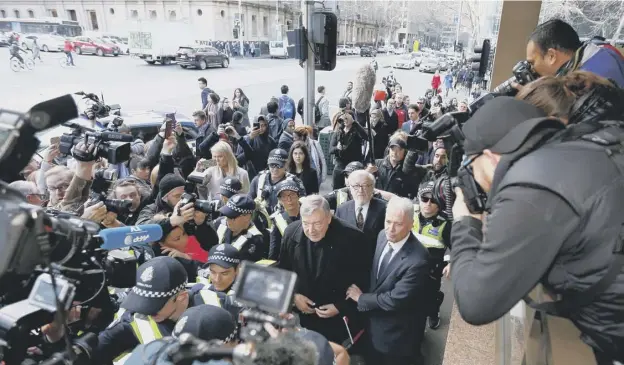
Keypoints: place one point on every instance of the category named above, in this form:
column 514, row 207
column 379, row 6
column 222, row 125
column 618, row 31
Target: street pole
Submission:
column 459, row 20
column 308, row 101
column 353, row 36
column 278, row 31
column 240, row 33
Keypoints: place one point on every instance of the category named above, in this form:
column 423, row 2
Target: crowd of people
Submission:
column 370, row 255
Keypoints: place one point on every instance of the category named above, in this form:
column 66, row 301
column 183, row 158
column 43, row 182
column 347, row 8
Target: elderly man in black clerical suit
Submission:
column 324, row 252
column 396, row 301
column 364, row 211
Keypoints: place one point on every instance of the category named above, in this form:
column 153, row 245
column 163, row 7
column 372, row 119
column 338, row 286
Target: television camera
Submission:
column 97, row 108
column 48, row 259
column 268, row 293
column 115, row 147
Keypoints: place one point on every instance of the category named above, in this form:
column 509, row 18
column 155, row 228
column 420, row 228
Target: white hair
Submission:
column 359, row 173
column 402, row 205
column 312, row 203
column 25, row 187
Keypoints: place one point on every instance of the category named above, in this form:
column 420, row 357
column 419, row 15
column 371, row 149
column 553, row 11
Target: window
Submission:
column 53, row 13
column 111, row 11
column 289, row 25
column 134, row 14
column 153, row 14
column 16, row 13
column 3, row 13
column 199, row 12
column 222, row 13
column 93, row 20
column 254, row 25
column 31, row 14
column 265, row 25
column 71, row 14
column 172, row 15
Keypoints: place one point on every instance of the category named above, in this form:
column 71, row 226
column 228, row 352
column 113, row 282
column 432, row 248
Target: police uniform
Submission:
column 262, row 189
column 249, row 242
column 228, row 187
column 225, row 256
column 158, row 280
column 434, row 234
column 281, row 219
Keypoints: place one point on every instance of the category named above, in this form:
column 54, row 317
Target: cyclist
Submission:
column 68, row 48
column 15, row 50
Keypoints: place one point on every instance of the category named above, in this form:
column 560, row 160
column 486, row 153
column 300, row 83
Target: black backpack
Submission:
column 317, row 111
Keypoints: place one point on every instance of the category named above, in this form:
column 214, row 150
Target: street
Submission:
column 137, row 86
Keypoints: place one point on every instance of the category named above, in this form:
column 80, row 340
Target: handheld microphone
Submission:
column 121, row 237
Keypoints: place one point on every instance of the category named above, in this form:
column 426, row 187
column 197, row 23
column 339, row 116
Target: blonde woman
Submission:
column 226, row 166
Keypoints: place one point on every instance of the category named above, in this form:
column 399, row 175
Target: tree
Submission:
column 589, row 18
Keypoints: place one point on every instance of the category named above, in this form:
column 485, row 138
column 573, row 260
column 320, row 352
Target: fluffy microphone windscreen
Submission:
column 363, row 88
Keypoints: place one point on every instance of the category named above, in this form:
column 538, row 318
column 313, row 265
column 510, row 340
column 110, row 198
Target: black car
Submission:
column 368, row 52
column 201, row 57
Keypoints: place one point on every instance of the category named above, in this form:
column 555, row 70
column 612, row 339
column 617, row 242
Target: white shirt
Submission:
column 364, row 211
column 396, row 246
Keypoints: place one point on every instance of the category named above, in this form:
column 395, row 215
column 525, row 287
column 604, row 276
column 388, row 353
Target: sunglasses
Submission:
column 426, row 199
column 274, row 166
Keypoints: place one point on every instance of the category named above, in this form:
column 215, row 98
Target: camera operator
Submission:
column 559, row 97
column 288, row 193
column 152, row 308
column 554, row 49
column 205, row 322
column 68, row 191
column 346, row 145
column 396, row 173
column 132, row 189
column 581, row 220
column 434, row 232
column 236, row 227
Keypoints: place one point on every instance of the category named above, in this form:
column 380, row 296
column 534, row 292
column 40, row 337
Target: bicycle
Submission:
column 17, row 66
column 64, row 62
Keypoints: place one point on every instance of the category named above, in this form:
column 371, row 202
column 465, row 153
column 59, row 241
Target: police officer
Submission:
column 235, row 227
column 288, row 193
column 152, row 307
column 343, row 195
column 205, row 322
column 228, row 187
column 221, row 269
column 434, row 232
column 555, row 217
column 262, row 188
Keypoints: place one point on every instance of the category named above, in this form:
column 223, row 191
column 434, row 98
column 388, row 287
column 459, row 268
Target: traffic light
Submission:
column 235, row 32
column 325, row 53
column 480, row 60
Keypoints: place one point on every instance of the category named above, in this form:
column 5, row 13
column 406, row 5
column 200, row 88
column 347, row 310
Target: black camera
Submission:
column 81, row 351
column 523, row 74
column 112, row 146
column 102, row 180
column 189, row 196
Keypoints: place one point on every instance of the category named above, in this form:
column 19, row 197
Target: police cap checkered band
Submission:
column 232, row 206
column 278, row 154
column 146, row 293
column 228, row 188
column 289, row 186
column 221, row 257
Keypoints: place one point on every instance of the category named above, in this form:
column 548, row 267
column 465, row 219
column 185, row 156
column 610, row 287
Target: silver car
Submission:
column 429, row 65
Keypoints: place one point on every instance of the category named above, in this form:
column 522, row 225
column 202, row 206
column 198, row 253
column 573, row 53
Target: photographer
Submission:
column 129, row 189
column 396, row 173
column 346, row 145
column 521, row 161
column 147, row 314
column 554, row 49
column 261, row 145
column 438, row 166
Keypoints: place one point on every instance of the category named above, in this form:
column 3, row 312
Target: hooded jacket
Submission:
column 261, row 146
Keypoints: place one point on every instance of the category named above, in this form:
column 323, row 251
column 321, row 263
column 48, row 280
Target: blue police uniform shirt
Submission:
column 144, row 354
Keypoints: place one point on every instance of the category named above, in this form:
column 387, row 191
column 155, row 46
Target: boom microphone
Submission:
column 121, row 237
column 363, row 88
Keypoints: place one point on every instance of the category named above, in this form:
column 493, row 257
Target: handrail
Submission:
column 546, row 340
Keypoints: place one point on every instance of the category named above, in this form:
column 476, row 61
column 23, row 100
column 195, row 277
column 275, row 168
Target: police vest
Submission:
column 428, row 235
column 280, row 222
column 145, row 330
column 238, row 243
column 260, row 202
column 342, row 196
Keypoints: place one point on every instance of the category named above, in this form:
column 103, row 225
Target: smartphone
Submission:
column 211, row 163
column 55, row 140
column 168, row 128
column 256, row 125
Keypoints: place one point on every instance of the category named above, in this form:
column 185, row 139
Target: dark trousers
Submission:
column 435, row 283
column 338, row 177
column 70, row 58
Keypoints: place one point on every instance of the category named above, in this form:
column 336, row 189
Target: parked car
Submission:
column 429, row 65
column 443, row 65
column 352, row 51
column 418, row 57
column 367, row 52
column 405, row 62
column 46, row 42
column 123, row 46
column 382, row 49
column 201, row 57
column 342, row 51
column 398, row 51
column 4, row 39
column 356, row 51
column 97, row 46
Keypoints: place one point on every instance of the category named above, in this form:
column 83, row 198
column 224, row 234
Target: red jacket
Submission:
column 68, row 46
column 436, row 82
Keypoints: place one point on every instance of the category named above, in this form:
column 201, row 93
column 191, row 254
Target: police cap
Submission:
column 237, row 205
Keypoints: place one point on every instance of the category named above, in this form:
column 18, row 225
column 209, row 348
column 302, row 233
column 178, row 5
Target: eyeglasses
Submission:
column 62, row 187
column 426, row 199
column 274, row 166
column 361, row 187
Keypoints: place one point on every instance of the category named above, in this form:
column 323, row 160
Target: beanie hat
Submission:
column 237, row 116
column 169, row 182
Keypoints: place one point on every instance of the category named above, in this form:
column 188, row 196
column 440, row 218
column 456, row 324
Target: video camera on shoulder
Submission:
column 114, row 147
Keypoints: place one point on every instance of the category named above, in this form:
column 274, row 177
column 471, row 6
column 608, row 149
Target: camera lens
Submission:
column 204, row 206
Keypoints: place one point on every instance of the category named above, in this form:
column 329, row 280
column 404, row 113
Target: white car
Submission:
column 342, row 51
column 46, row 42
column 405, row 62
column 352, row 51
column 399, row 51
column 123, row 47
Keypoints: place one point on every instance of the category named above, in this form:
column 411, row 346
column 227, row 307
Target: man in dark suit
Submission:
column 396, row 302
column 364, row 212
column 323, row 251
